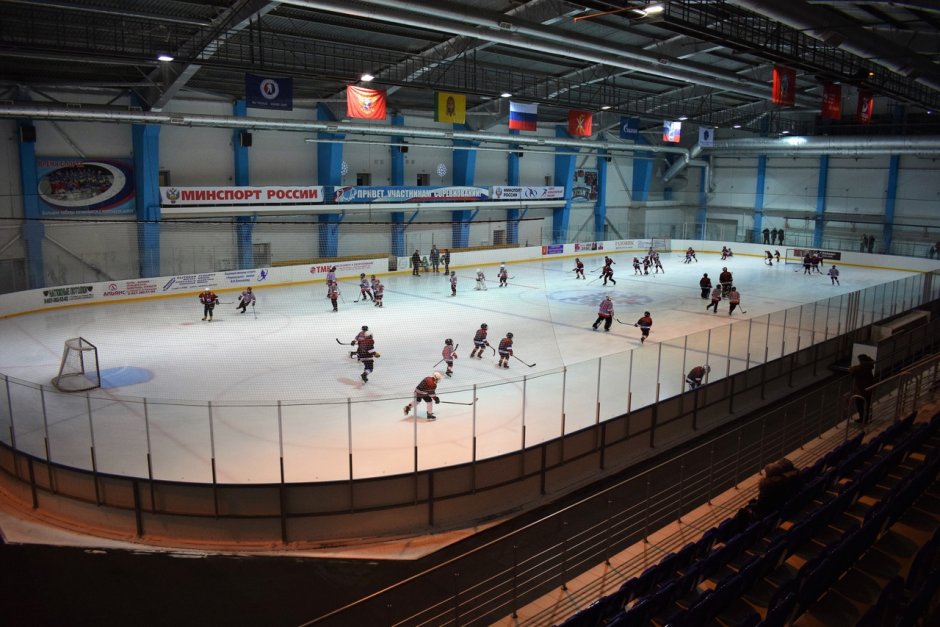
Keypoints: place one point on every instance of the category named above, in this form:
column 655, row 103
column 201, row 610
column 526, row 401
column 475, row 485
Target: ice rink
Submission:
column 248, row 389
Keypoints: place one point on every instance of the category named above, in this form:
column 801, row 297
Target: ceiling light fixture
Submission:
column 366, row 78
column 653, row 9
column 737, row 126
column 505, row 94
column 683, row 118
column 164, row 57
column 785, row 132
column 606, row 107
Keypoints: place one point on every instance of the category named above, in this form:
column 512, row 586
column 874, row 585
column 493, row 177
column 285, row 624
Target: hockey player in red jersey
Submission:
column 332, row 292
column 479, row 342
column 367, row 354
column 578, row 269
column 209, row 300
column 426, row 391
column 448, row 355
column 645, row 323
column 605, row 314
column 505, row 351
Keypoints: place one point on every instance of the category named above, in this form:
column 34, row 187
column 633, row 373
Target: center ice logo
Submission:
column 591, row 299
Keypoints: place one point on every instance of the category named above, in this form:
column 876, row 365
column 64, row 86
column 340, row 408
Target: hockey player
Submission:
column 690, row 255
column 378, row 291
column 481, row 280
column 453, row 283
column 658, row 263
column 734, row 298
column 479, row 342
column 578, row 268
column 636, row 266
column 332, row 292
column 777, row 256
column 834, row 275
column 696, row 375
column 706, row 284
column 426, row 391
column 646, row 264
column 608, row 273
column 770, row 258
column 716, row 298
column 503, row 275
column 814, row 262
column 247, row 298
column 726, row 253
column 645, row 323
column 365, row 289
column 359, row 337
column 605, row 313
column 505, row 351
column 608, row 261
column 724, row 280
column 807, row 264
column 449, row 353
column 367, row 354
column 416, row 263
column 331, row 276
column 209, row 300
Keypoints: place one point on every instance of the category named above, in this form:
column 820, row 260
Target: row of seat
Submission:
column 668, row 591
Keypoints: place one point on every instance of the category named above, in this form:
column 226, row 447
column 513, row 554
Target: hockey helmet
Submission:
column 708, row 368
column 206, row 290
column 646, row 313
column 724, row 269
column 479, row 271
column 362, row 275
column 705, row 276
column 449, row 341
column 365, row 328
column 509, row 335
column 249, row 289
column 437, row 376
column 484, row 326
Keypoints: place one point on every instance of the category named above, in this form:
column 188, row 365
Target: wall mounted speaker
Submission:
column 27, row 134
column 244, row 138
column 403, row 148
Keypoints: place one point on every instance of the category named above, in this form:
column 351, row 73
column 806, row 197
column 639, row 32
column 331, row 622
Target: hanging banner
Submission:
column 584, row 186
column 409, row 194
column 450, row 108
column 263, row 92
column 72, row 186
column 523, row 117
column 629, row 128
column 504, row 192
column 784, row 86
column 866, row 105
column 228, row 195
column 580, row 123
column 366, row 104
column 832, row 102
column 672, row 131
column 706, row 137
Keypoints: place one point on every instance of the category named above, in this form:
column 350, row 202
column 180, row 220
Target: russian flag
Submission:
column 523, row 117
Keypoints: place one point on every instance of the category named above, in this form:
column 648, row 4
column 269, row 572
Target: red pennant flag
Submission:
column 580, row 123
column 368, row 104
column 784, row 86
column 832, row 102
column 866, row 104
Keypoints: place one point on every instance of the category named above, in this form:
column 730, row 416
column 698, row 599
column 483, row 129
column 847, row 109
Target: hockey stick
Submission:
column 442, row 359
column 621, row 321
column 338, row 342
column 253, row 312
column 529, row 365
column 492, row 349
column 456, row 403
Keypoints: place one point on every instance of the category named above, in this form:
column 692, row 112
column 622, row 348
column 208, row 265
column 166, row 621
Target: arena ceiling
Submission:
column 710, row 61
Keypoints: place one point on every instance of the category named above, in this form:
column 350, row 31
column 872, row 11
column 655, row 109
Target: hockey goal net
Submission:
column 660, row 245
column 79, row 368
column 794, row 256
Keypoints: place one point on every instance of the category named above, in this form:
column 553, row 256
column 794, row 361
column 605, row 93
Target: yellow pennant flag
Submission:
column 450, row 108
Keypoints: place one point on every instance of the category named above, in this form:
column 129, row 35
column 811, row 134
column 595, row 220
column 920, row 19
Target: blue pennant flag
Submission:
column 263, row 92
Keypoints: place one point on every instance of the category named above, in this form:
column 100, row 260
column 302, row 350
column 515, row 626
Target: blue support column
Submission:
column 244, row 225
column 891, row 196
column 512, row 178
column 465, row 163
column 329, row 175
column 600, row 207
column 146, row 140
column 821, row 192
column 398, row 178
column 33, row 230
column 564, row 175
column 642, row 171
column 701, row 217
column 759, row 197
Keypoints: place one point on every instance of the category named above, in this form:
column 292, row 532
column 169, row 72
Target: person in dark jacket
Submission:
column 863, row 377
column 779, row 483
column 415, row 262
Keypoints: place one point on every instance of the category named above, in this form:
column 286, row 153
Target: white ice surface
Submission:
column 289, row 353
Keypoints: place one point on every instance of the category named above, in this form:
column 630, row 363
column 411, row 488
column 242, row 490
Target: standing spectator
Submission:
column 766, row 233
column 863, row 377
column 781, row 481
column 773, row 236
column 445, row 259
column 435, row 259
column 780, row 237
column 864, row 245
column 871, row 243
column 416, row 263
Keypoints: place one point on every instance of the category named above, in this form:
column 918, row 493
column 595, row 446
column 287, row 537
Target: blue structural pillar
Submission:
column 329, row 175
column 244, row 225
column 146, row 139
column 701, row 218
column 600, row 207
column 33, row 230
column 512, row 178
column 821, row 192
column 891, row 196
column 398, row 178
column 759, row 197
column 642, row 171
column 564, row 175
column 465, row 163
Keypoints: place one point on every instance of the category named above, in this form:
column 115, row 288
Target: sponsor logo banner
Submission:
column 629, row 128
column 84, row 186
column 264, row 92
column 503, row 192
column 200, row 196
column 68, row 294
column 136, row 287
column 584, row 187
column 635, row 244
column 409, row 194
column 553, row 249
column 832, row 255
column 588, row 246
